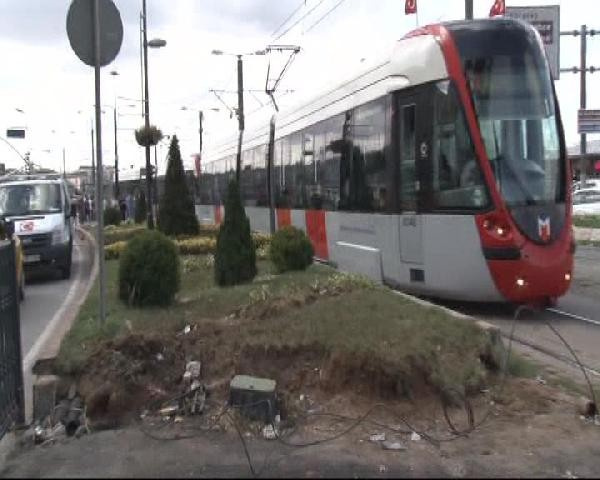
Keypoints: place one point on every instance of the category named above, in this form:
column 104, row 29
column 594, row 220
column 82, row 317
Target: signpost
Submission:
column 588, row 121
column 95, row 33
column 15, row 133
column 546, row 20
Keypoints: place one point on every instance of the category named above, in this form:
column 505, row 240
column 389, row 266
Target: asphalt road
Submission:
column 580, row 328
column 45, row 293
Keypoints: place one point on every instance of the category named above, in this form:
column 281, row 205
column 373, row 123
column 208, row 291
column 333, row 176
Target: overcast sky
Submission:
column 43, row 77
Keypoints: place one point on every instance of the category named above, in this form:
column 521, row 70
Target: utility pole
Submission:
column 64, row 165
column 583, row 71
column 240, row 113
column 117, row 193
column 150, row 216
column 200, row 118
column 93, row 173
column 468, row 9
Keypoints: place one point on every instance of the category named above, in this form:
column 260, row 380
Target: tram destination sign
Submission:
column 588, row 121
column 546, row 20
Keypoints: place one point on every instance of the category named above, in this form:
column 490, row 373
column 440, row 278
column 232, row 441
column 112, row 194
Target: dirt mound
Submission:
column 128, row 373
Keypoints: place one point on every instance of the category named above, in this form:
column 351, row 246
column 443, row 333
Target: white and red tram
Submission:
column 440, row 170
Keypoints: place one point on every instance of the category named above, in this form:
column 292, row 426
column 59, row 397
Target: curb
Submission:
column 482, row 324
column 587, row 234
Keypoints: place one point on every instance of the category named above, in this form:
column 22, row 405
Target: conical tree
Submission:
column 176, row 213
column 235, row 259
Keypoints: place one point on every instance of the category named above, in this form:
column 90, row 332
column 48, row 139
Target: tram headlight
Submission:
column 521, row 282
column 567, row 277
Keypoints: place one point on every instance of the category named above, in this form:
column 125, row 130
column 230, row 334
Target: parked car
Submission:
column 589, row 183
column 587, row 201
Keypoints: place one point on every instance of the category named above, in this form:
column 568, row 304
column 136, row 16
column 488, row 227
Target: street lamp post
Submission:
column 155, row 43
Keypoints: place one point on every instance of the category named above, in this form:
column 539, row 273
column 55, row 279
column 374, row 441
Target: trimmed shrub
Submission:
column 235, row 259
column 177, row 215
column 149, row 270
column 141, row 209
column 114, row 250
column 112, row 216
column 291, row 249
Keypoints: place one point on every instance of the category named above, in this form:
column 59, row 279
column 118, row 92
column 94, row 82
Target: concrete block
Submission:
column 255, row 397
column 44, row 396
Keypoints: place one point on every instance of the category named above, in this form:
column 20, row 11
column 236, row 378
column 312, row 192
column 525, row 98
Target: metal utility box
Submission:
column 254, row 397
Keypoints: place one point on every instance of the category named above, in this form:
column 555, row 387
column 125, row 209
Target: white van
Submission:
column 40, row 208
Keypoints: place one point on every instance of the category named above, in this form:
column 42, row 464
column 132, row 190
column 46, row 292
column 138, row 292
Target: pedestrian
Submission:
column 87, row 207
column 123, row 208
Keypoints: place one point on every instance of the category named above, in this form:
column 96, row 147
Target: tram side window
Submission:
column 260, row 175
column 329, row 170
column 246, row 181
column 408, row 191
column 277, row 173
column 294, row 174
column 368, row 169
column 457, row 178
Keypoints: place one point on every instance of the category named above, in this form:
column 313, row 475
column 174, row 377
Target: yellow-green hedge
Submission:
column 193, row 246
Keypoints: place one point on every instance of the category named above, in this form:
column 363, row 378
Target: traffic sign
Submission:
column 588, row 121
column 546, row 20
column 80, row 29
column 15, row 133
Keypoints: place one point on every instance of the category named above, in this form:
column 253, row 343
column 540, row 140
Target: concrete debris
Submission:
column 415, row 437
column 187, row 329
column 178, row 419
column 194, row 368
column 160, row 357
column 392, row 445
column 377, row 437
column 168, row 411
column 597, row 420
column 540, row 380
column 382, row 469
column 269, row 432
column 568, row 474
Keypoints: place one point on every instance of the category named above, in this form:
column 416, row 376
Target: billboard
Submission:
column 546, row 20
column 15, row 133
column 588, row 121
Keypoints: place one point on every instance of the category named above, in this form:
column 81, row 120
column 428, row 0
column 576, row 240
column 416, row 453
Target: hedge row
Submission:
column 188, row 246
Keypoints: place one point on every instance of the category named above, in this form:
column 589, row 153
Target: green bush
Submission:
column 177, row 214
column 112, row 216
column 149, row 270
column 291, row 249
column 235, row 258
column 141, row 209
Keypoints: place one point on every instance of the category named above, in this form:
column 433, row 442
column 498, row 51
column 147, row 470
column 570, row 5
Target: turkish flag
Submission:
column 498, row 8
column 410, row 6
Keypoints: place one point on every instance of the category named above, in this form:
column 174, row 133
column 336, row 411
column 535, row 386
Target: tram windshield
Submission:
column 512, row 92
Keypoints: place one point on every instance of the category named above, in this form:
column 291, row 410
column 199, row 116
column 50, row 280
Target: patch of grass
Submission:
column 588, row 243
column 519, row 366
column 366, row 331
column 586, row 221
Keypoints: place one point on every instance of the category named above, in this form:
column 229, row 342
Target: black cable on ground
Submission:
column 566, row 344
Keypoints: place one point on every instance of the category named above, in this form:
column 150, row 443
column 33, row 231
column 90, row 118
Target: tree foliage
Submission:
column 149, row 270
column 177, row 214
column 148, row 137
column 235, row 259
column 291, row 249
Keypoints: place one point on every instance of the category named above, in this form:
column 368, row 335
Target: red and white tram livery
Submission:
column 440, row 170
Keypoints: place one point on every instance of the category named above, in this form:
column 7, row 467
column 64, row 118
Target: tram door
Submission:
column 414, row 128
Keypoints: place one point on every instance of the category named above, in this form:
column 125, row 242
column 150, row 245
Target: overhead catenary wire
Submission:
column 289, row 17
column 299, row 20
column 330, row 11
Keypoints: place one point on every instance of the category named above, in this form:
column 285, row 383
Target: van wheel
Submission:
column 66, row 272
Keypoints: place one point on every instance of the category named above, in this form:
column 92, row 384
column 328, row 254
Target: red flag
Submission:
column 410, row 6
column 498, row 8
